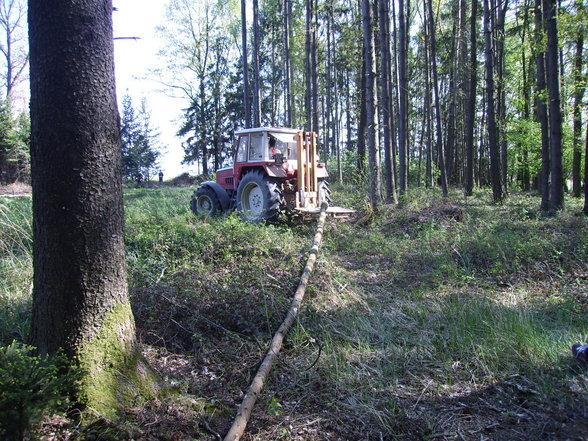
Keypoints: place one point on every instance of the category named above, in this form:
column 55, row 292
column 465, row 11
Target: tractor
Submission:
column 275, row 170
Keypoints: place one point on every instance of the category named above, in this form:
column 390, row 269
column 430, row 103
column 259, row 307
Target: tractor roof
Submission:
column 267, row 129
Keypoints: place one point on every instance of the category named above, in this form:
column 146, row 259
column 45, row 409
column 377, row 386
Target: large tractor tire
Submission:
column 258, row 197
column 205, row 201
column 324, row 192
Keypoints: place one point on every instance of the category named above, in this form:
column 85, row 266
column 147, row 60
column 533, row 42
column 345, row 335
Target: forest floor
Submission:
column 440, row 320
column 15, row 190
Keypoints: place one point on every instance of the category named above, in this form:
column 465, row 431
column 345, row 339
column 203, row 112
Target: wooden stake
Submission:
column 238, row 428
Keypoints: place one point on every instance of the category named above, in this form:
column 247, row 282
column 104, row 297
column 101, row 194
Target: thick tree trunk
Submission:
column 553, row 88
column 80, row 301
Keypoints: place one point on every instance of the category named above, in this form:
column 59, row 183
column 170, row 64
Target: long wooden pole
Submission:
column 238, row 428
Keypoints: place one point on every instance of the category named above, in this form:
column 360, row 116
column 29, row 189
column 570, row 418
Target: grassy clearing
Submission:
column 439, row 302
column 439, row 318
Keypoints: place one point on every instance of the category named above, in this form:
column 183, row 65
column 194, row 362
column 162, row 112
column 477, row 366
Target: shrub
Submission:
column 30, row 386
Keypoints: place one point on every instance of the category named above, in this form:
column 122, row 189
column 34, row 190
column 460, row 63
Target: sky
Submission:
column 133, row 60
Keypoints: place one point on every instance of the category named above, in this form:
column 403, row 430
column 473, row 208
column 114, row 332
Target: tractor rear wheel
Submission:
column 258, row 197
column 205, row 201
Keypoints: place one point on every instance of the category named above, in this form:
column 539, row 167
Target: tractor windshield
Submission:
column 285, row 143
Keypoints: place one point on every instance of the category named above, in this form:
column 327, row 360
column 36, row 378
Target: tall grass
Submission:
column 15, row 268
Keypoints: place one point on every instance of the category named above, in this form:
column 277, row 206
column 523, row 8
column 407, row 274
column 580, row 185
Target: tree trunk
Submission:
column 490, row 109
column 313, row 67
column 370, row 88
column 246, row 91
column 586, row 175
column 362, row 125
column 403, row 98
column 553, row 88
column 579, row 88
column 307, row 67
column 433, row 52
column 498, row 54
column 256, row 73
column 471, row 103
column 80, row 301
column 289, row 121
column 525, row 175
column 384, row 19
column 541, row 109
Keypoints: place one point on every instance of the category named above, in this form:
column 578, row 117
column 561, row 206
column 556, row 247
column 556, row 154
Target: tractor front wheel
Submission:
column 205, row 201
column 258, row 197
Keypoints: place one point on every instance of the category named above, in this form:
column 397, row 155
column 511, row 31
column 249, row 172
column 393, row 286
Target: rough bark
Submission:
column 80, row 302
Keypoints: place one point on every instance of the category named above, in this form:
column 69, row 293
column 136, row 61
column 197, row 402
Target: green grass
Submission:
column 15, row 268
column 496, row 297
column 407, row 308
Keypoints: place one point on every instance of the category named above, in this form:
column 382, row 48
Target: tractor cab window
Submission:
column 242, row 148
column 285, row 143
column 256, row 147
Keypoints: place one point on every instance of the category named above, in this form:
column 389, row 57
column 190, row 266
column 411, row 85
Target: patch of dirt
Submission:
column 15, row 189
column 443, row 212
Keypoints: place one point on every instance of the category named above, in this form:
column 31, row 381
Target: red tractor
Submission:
column 274, row 170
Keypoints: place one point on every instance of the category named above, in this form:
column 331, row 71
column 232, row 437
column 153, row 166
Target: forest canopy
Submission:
column 456, row 82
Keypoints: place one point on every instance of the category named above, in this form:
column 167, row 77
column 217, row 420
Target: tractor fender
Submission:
column 220, row 192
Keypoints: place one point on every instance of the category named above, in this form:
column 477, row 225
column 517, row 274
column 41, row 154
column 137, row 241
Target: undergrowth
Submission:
column 411, row 310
